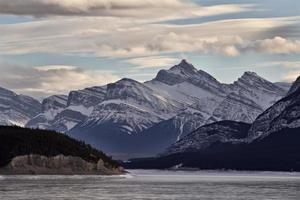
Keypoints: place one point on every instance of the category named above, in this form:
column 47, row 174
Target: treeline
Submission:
column 16, row 141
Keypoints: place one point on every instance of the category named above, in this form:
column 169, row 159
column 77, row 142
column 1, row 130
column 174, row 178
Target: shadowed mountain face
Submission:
column 203, row 137
column 271, row 142
column 277, row 152
column 121, row 115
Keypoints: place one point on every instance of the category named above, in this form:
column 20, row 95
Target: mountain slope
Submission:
column 203, row 137
column 236, row 107
column 17, row 109
column 283, row 114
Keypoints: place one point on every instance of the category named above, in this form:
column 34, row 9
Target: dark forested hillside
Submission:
column 279, row 151
column 16, row 141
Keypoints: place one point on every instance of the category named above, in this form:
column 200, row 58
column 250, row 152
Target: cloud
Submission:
column 55, row 67
column 224, row 45
column 152, row 61
column 278, row 45
column 125, row 38
column 47, row 80
column 284, row 64
column 148, row 9
column 291, row 69
column 291, row 76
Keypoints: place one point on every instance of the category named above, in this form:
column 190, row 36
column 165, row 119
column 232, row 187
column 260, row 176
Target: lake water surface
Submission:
column 142, row 184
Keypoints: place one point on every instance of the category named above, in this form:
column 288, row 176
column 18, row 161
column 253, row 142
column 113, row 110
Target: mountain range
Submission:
column 132, row 119
column 271, row 142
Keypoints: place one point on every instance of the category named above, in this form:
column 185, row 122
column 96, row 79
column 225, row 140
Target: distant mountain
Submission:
column 271, row 142
column 61, row 113
column 249, row 96
column 27, row 151
column 165, row 108
column 17, row 109
column 131, row 105
column 184, row 83
column 284, row 85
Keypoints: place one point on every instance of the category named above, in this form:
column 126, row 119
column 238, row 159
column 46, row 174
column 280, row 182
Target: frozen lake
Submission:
column 148, row 184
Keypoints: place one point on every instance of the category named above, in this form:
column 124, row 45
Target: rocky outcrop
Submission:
column 60, row 164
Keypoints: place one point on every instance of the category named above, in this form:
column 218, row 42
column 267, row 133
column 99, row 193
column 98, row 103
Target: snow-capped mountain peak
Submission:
column 176, row 74
column 185, row 72
column 184, row 68
column 258, row 89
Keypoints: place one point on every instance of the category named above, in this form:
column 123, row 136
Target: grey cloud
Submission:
column 48, row 80
column 163, row 9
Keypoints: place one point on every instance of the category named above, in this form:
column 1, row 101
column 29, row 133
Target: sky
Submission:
column 54, row 46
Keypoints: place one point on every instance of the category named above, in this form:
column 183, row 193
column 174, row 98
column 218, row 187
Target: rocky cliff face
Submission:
column 64, row 165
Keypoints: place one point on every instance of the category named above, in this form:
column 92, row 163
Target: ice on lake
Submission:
column 150, row 184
